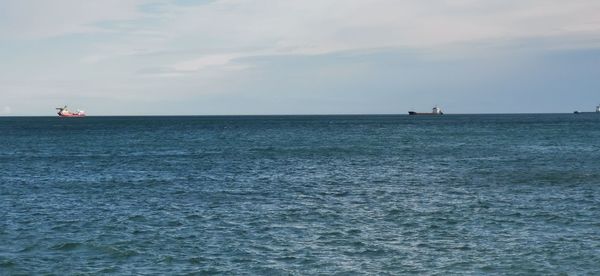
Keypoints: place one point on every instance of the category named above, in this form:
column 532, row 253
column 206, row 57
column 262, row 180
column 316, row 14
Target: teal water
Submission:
column 280, row 195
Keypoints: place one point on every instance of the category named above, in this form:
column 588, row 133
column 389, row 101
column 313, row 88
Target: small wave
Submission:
column 7, row 263
column 111, row 269
column 197, row 260
column 286, row 259
column 117, row 252
column 67, row 246
column 28, row 248
column 193, row 217
column 137, row 218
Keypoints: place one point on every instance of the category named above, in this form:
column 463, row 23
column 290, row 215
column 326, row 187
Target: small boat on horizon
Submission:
column 597, row 110
column 65, row 112
column 434, row 111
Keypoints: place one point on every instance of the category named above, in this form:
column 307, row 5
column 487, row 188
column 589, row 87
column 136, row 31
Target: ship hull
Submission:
column 586, row 112
column 64, row 112
column 421, row 113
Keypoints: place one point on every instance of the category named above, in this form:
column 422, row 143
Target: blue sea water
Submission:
column 280, row 195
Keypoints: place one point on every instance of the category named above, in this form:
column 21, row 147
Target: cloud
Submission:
column 222, row 60
column 6, row 110
column 215, row 32
column 135, row 50
column 326, row 26
column 29, row 19
column 303, row 26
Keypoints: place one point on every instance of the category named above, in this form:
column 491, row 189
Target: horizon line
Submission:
column 300, row 114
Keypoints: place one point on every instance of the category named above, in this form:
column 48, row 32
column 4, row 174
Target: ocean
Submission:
column 300, row 195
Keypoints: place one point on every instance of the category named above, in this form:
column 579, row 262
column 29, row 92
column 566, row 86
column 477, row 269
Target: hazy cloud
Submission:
column 136, row 49
column 32, row 19
column 6, row 110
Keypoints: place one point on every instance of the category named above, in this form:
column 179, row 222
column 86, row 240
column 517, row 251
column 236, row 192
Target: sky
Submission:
column 242, row 57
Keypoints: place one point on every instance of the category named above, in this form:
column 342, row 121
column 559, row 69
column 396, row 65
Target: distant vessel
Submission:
column 597, row 111
column 64, row 112
column 435, row 111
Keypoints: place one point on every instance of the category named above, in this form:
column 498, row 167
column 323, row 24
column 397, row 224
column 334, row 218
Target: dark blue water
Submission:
column 472, row 194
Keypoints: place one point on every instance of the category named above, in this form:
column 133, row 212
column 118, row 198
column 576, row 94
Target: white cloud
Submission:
column 304, row 26
column 29, row 19
column 244, row 28
column 329, row 25
column 206, row 62
column 216, row 32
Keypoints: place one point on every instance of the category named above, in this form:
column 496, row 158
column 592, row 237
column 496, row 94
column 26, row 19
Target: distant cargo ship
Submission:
column 597, row 111
column 435, row 111
column 64, row 112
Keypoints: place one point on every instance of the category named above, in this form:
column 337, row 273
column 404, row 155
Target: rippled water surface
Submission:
column 472, row 194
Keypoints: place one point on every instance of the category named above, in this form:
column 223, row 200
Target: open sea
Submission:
column 300, row 195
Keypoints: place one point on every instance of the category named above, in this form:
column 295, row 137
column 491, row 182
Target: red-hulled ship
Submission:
column 64, row 112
